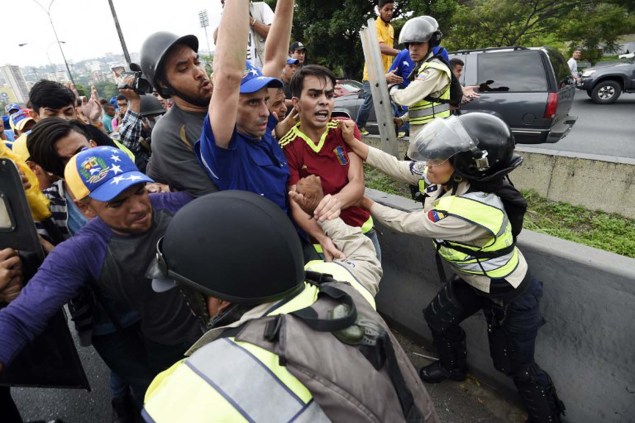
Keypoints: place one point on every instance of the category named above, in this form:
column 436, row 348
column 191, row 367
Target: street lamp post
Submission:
column 48, row 48
column 204, row 20
column 48, row 56
column 59, row 43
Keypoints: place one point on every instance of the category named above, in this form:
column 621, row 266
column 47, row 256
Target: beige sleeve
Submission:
column 419, row 223
column 361, row 260
column 400, row 170
column 419, row 89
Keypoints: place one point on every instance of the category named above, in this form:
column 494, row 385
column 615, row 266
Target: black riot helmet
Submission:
column 480, row 146
column 150, row 106
column 153, row 53
column 233, row 245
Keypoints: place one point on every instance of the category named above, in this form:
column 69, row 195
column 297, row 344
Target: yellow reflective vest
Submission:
column 498, row 256
column 199, row 389
column 229, row 380
column 422, row 112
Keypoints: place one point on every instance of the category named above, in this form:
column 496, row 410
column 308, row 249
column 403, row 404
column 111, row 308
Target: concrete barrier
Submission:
column 588, row 343
column 591, row 181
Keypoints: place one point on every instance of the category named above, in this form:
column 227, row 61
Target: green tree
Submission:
column 106, row 89
column 82, row 90
column 330, row 28
column 496, row 23
column 602, row 26
column 594, row 27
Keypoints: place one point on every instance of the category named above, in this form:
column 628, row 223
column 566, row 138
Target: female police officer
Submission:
column 462, row 163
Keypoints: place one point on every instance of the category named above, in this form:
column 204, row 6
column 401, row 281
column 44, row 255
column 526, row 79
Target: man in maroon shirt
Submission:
column 316, row 146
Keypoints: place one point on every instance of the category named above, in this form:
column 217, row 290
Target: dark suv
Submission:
column 531, row 89
column 604, row 84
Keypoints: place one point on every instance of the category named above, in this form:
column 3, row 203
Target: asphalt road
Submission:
column 602, row 129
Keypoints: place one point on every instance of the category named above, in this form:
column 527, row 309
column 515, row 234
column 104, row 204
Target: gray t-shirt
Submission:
column 166, row 318
column 173, row 161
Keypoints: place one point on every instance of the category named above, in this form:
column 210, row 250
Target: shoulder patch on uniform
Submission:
column 424, row 74
column 417, row 168
column 436, row 215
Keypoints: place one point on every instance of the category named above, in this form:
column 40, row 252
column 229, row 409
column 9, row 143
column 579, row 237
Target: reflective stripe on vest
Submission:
column 290, row 398
column 488, row 212
column 216, row 392
column 424, row 111
column 423, row 185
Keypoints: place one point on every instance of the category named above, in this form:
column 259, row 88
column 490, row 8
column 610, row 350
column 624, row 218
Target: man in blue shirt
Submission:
column 237, row 148
column 402, row 66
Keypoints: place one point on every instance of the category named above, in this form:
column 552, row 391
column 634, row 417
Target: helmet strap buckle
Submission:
column 482, row 163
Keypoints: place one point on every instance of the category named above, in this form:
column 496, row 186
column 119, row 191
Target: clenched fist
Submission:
column 347, row 127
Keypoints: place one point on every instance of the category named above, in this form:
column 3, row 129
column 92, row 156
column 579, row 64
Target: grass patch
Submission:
column 375, row 179
column 605, row 231
column 598, row 229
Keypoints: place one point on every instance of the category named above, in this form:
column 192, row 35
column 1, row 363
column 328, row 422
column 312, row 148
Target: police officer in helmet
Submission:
column 283, row 344
column 427, row 96
column 473, row 215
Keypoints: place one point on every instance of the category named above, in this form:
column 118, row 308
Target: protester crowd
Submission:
column 214, row 244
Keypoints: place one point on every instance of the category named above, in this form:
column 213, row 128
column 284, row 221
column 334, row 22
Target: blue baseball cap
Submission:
column 101, row 173
column 19, row 119
column 12, row 106
column 254, row 81
column 292, row 61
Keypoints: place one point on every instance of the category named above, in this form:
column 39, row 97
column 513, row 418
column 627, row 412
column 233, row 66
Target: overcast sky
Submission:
column 88, row 28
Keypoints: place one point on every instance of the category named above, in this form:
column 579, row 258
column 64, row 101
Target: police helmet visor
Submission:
column 440, row 140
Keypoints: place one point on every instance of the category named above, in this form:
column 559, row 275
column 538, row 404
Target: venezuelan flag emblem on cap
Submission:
column 101, row 173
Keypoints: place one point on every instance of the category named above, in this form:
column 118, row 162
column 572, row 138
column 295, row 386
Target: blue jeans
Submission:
column 364, row 110
column 124, row 352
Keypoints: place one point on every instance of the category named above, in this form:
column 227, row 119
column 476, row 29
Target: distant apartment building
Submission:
column 14, row 78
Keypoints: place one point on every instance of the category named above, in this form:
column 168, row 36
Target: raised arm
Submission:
column 229, row 65
column 131, row 124
column 277, row 44
column 261, row 22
